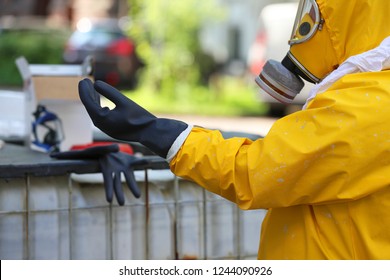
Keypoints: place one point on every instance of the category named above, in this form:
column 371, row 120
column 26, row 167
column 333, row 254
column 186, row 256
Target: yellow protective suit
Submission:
column 323, row 172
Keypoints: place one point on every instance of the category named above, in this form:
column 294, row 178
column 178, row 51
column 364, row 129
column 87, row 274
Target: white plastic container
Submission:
column 13, row 124
column 67, row 217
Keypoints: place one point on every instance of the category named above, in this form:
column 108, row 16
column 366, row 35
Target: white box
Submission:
column 12, row 115
column 56, row 87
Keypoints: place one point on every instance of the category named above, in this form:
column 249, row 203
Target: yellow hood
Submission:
column 350, row 27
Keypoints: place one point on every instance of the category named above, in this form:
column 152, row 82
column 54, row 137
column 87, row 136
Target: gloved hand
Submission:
column 112, row 164
column 128, row 121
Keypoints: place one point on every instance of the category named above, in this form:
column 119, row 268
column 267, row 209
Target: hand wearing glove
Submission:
column 112, row 164
column 128, row 121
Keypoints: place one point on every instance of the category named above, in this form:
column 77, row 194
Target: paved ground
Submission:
column 253, row 125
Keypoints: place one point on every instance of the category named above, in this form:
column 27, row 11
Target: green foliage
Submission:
column 44, row 47
column 179, row 77
column 227, row 96
column 166, row 33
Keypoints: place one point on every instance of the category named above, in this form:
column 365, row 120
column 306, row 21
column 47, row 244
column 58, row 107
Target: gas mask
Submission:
column 47, row 131
column 284, row 80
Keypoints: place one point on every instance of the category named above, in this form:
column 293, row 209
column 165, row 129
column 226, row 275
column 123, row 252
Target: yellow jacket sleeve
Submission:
column 338, row 149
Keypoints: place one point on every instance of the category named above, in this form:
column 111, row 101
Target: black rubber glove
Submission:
column 128, row 121
column 87, row 153
column 112, row 164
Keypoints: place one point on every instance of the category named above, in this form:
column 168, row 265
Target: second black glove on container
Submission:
column 112, row 163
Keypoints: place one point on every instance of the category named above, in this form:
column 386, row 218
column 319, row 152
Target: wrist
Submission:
column 179, row 141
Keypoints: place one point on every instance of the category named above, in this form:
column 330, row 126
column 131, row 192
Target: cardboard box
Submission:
column 59, row 88
column 58, row 82
column 56, row 87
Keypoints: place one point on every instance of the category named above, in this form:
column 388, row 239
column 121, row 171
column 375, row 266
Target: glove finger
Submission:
column 132, row 183
column 110, row 93
column 120, row 197
column 91, row 100
column 108, row 184
column 120, row 100
column 87, row 93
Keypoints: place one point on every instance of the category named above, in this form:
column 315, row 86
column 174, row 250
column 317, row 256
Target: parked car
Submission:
column 114, row 54
column 275, row 26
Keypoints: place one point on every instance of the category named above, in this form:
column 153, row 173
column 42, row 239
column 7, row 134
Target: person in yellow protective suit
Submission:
column 323, row 172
